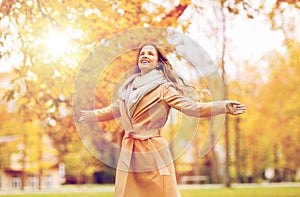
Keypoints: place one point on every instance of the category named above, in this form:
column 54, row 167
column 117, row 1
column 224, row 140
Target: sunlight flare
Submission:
column 57, row 43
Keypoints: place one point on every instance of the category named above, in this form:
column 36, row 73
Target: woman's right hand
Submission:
column 88, row 116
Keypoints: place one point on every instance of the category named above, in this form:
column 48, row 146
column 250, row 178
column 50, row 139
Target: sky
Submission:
column 249, row 39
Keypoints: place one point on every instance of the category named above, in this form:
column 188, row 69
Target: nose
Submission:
column 144, row 56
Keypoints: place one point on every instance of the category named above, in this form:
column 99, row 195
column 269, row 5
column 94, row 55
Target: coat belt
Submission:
column 126, row 154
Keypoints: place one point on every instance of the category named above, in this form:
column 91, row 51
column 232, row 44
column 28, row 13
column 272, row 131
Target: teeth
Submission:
column 145, row 61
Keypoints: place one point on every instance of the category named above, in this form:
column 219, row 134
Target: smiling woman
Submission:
column 143, row 105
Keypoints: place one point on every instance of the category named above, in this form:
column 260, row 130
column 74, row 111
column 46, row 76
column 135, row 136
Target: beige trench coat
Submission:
column 151, row 174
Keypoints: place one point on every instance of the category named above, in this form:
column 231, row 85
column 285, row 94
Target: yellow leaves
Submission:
column 10, row 127
column 272, row 117
column 47, row 78
column 36, row 145
column 185, row 2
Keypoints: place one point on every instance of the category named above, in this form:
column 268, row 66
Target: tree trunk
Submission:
column 237, row 148
column 227, row 160
column 214, row 167
column 40, row 157
column 23, row 173
column 276, row 164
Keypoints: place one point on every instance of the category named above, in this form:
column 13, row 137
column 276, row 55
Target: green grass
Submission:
column 220, row 192
column 244, row 192
column 75, row 194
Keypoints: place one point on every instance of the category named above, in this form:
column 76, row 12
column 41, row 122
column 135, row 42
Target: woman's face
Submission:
column 147, row 59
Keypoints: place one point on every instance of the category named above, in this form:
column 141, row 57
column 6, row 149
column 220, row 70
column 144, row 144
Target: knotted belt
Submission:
column 127, row 153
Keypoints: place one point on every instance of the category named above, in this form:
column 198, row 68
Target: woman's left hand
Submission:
column 235, row 107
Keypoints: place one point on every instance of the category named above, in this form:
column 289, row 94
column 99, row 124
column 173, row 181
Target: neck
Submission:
column 145, row 71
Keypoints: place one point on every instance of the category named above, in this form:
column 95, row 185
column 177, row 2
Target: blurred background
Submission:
column 255, row 45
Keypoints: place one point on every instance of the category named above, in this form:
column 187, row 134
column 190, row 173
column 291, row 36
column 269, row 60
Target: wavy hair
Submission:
column 170, row 74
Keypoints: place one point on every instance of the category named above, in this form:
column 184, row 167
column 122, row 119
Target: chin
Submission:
column 148, row 65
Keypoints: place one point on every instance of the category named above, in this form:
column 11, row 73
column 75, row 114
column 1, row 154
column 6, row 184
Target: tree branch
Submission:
column 45, row 14
column 173, row 15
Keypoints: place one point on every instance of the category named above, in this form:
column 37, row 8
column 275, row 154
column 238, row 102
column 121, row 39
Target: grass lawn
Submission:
column 244, row 192
column 219, row 192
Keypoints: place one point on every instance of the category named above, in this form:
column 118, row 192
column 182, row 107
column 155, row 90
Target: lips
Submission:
column 144, row 61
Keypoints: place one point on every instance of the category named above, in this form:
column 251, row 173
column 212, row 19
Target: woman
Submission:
column 145, row 166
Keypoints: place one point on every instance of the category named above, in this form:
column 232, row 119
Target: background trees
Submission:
column 43, row 44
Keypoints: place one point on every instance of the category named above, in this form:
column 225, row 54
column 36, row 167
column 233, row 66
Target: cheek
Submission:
column 154, row 61
column 139, row 58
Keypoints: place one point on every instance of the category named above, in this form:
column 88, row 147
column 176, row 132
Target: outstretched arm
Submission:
column 99, row 115
column 201, row 109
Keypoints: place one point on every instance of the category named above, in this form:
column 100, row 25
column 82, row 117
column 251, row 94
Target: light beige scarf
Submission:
column 137, row 86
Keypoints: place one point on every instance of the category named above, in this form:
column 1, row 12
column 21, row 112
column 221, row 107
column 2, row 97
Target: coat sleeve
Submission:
column 108, row 113
column 190, row 107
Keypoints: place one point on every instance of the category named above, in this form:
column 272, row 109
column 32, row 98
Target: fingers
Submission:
column 235, row 108
column 238, row 112
column 234, row 102
column 84, row 111
column 81, row 119
column 239, row 109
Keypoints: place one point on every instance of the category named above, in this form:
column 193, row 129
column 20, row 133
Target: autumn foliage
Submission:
column 44, row 43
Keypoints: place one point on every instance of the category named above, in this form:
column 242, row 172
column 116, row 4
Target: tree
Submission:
column 283, row 107
column 46, row 41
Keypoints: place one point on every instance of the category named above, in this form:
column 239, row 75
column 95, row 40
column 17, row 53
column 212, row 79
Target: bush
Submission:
column 104, row 177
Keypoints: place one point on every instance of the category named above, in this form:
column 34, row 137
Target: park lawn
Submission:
column 222, row 192
column 244, row 192
column 63, row 194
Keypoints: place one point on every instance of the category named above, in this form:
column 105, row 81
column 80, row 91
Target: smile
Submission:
column 145, row 61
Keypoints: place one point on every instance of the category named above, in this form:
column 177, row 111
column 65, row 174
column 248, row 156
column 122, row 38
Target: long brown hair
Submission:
column 170, row 74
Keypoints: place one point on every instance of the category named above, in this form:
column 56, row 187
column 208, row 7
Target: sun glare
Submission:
column 56, row 43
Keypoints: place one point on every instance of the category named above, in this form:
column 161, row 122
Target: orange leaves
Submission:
column 45, row 80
